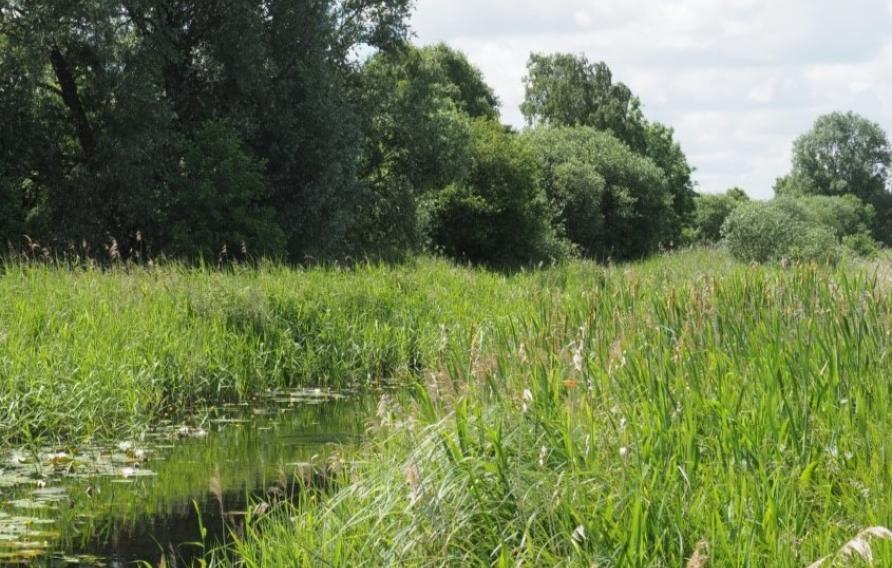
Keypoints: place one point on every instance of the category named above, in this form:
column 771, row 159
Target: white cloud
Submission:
column 738, row 79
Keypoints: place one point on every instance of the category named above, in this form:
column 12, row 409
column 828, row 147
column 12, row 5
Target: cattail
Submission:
column 412, row 477
column 577, row 360
column 858, row 547
column 700, row 558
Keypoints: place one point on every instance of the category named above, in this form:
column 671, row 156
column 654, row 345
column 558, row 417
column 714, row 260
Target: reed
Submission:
column 681, row 411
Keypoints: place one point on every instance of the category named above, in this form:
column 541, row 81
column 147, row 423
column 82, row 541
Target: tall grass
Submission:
column 101, row 353
column 683, row 410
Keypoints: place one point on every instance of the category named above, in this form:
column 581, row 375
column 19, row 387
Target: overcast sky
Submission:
column 739, row 80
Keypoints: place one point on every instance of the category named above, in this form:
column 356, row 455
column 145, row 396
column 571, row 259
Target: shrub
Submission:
column 712, row 211
column 498, row 215
column 607, row 200
column 844, row 215
column 861, row 244
column 800, row 228
column 778, row 230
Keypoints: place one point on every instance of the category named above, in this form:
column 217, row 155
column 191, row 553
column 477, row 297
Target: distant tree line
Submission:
column 314, row 128
column 298, row 128
column 836, row 199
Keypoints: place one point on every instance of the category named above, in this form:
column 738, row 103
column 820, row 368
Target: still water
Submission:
column 139, row 500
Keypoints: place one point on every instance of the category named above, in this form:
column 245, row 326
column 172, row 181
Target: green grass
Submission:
column 91, row 353
column 577, row 415
column 618, row 418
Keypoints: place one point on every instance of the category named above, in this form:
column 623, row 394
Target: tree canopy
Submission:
column 844, row 154
column 568, row 90
column 313, row 129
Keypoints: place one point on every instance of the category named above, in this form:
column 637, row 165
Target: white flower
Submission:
column 527, row 395
column 624, row 452
column 579, row 534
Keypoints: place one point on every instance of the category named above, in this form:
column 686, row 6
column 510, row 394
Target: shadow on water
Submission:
column 141, row 500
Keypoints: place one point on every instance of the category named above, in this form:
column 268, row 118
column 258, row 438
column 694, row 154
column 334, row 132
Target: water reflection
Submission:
column 139, row 500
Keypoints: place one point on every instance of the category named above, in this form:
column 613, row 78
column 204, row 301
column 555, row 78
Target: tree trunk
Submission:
column 72, row 100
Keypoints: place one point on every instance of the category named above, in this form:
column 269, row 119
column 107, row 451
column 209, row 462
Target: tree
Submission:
column 12, row 216
column 608, row 201
column 666, row 153
column 117, row 87
column 497, row 215
column 844, row 153
column 468, row 89
column 567, row 90
column 419, row 104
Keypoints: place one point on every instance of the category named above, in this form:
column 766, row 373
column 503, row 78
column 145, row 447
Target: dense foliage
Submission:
column 711, row 212
column 798, row 228
column 844, row 154
column 314, row 129
column 254, row 127
column 498, row 214
column 108, row 98
column 609, row 201
column 568, row 90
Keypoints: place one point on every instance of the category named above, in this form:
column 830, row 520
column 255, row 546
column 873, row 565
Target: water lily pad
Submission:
column 50, row 494
column 31, row 504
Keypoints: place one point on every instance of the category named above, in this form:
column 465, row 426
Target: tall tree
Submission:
column 419, row 104
column 844, row 153
column 662, row 148
column 120, row 87
column 568, row 90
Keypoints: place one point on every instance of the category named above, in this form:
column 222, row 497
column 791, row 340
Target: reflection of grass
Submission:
column 647, row 415
column 236, row 458
column 87, row 353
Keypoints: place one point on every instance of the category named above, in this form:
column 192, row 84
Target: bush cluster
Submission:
column 814, row 228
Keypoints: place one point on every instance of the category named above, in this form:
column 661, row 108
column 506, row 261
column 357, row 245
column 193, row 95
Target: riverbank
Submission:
column 90, row 354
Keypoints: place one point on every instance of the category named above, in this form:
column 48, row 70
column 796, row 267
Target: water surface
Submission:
column 139, row 500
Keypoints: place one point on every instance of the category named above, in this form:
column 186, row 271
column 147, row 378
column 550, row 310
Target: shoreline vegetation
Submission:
column 637, row 414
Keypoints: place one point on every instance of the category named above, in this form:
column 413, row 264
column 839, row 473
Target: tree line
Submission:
column 836, row 199
column 314, row 128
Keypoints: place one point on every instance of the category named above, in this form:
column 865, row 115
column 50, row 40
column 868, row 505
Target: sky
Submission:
column 739, row 80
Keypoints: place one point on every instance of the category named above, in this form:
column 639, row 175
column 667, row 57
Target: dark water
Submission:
column 173, row 493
